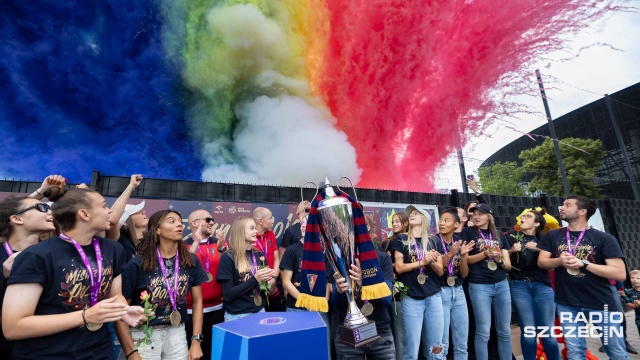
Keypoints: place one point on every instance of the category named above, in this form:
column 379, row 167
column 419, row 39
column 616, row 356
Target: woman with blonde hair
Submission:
column 489, row 263
column 417, row 260
column 239, row 272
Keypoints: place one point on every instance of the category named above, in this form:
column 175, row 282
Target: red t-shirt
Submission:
column 268, row 245
column 211, row 291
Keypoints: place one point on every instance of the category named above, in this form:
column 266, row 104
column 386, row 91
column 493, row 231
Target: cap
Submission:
column 482, row 207
column 410, row 208
column 130, row 210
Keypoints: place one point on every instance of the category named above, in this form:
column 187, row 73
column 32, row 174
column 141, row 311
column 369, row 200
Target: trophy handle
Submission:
column 353, row 187
column 314, row 196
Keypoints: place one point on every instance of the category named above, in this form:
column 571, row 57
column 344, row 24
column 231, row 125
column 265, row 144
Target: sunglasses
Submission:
column 42, row 207
column 207, row 219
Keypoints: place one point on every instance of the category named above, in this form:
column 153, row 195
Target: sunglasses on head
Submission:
column 207, row 219
column 42, row 207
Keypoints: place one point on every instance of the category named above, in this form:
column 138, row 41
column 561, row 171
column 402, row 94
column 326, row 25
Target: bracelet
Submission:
column 38, row 192
column 131, row 353
column 83, row 318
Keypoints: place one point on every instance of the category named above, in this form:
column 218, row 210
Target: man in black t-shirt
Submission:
column 584, row 259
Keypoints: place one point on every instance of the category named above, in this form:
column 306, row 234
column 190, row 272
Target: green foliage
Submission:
column 502, row 179
column 581, row 167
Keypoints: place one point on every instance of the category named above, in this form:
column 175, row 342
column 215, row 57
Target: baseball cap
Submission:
column 482, row 207
column 410, row 208
column 130, row 210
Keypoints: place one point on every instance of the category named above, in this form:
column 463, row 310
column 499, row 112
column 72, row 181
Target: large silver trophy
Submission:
column 335, row 219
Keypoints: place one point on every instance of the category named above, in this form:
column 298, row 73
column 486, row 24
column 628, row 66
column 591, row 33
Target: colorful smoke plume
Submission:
column 275, row 92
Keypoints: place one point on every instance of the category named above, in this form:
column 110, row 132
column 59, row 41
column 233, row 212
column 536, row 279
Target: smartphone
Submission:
column 470, row 177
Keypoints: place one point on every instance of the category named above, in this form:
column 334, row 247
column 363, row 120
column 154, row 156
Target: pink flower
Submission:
column 144, row 295
column 296, row 284
column 261, row 258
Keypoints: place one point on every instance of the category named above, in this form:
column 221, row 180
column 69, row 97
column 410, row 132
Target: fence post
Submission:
column 453, row 198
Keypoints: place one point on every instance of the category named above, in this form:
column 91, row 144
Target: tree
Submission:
column 502, row 179
column 582, row 159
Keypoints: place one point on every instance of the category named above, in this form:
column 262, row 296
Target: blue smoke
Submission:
column 85, row 85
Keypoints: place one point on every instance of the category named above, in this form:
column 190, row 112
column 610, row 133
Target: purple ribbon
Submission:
column 94, row 287
column 253, row 270
column 206, row 263
column 173, row 293
column 418, row 254
column 260, row 246
column 450, row 263
column 490, row 240
column 7, row 248
column 577, row 242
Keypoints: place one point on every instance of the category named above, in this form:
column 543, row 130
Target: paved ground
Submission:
column 593, row 343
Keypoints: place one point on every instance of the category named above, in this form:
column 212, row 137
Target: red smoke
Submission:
column 401, row 75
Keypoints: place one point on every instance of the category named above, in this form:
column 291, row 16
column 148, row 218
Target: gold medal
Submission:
column 451, row 281
column 175, row 318
column 422, row 278
column 367, row 309
column 209, row 277
column 93, row 327
column 257, row 299
column 573, row 272
column 492, row 266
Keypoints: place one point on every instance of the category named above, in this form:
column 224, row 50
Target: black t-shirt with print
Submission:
column 442, row 280
column 238, row 289
column 292, row 260
column 524, row 264
column 291, row 235
column 479, row 272
column 586, row 290
column 410, row 279
column 56, row 265
column 5, row 345
column 135, row 281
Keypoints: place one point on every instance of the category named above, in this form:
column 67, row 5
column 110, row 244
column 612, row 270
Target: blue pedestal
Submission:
column 284, row 335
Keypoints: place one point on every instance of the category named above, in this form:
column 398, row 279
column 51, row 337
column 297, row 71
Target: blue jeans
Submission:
column 535, row 307
column 484, row 298
column 418, row 315
column 573, row 326
column 454, row 306
column 397, row 327
column 230, row 317
column 381, row 349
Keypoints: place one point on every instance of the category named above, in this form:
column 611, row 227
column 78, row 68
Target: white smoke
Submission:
column 280, row 139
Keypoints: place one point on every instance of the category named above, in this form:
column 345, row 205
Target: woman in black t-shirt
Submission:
column 417, row 259
column 72, row 282
column 530, row 286
column 167, row 272
column 488, row 287
column 239, row 272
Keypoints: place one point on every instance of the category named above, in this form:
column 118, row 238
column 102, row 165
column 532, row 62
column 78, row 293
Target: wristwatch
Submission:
column 586, row 263
column 198, row 337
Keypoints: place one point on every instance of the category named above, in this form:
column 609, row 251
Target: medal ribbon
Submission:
column 7, row 248
column 253, row 270
column 206, row 262
column 259, row 242
column 418, row 255
column 490, row 240
column 450, row 263
column 94, row 287
column 172, row 293
column 577, row 242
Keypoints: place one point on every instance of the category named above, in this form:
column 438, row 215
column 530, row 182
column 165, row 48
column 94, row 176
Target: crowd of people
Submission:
column 74, row 268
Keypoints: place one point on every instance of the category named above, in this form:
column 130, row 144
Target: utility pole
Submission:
column 623, row 149
column 554, row 138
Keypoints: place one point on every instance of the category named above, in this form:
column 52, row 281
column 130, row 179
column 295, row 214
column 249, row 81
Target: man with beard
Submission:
column 584, row 259
column 208, row 249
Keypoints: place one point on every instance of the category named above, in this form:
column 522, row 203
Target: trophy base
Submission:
column 359, row 335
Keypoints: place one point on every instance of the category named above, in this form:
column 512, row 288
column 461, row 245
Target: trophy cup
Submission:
column 335, row 219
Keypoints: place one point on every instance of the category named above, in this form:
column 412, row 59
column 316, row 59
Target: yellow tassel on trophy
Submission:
column 312, row 303
column 376, row 291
